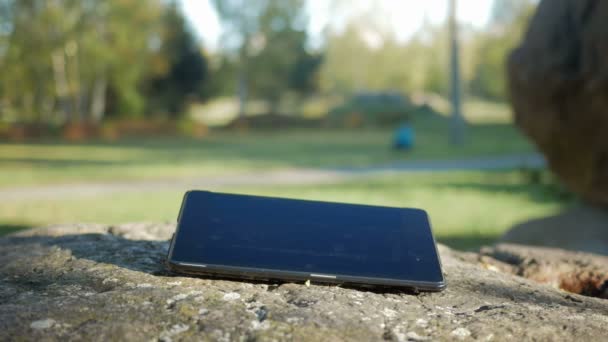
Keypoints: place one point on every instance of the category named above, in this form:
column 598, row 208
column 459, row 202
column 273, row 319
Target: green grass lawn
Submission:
column 467, row 209
column 52, row 162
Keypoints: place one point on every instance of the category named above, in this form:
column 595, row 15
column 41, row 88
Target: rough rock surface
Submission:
column 103, row 283
column 580, row 273
column 559, row 89
column 581, row 228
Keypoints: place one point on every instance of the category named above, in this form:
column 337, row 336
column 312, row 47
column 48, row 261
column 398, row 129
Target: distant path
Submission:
column 280, row 177
column 530, row 160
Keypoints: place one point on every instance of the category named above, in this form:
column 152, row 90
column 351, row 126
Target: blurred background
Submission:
column 110, row 110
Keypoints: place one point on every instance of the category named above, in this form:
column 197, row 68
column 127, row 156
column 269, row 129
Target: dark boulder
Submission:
column 558, row 80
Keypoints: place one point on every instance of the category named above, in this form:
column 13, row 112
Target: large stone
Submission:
column 95, row 282
column 559, row 89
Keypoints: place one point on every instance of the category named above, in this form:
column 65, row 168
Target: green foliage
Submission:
column 494, row 46
column 224, row 153
column 352, row 65
column 353, row 62
column 384, row 109
column 183, row 68
column 489, row 81
column 127, row 101
column 278, row 48
column 221, row 75
column 499, row 199
column 269, row 40
column 67, row 61
column 303, row 77
column 72, row 61
column 467, row 209
column 511, row 12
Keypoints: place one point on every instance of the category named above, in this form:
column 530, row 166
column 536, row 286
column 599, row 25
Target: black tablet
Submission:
column 268, row 238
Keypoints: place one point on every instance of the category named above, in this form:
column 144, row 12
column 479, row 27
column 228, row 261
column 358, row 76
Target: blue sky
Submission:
column 402, row 17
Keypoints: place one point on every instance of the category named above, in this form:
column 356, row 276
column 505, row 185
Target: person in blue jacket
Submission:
column 404, row 138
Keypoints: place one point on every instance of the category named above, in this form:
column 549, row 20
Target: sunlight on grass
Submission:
column 225, row 153
column 483, row 112
column 466, row 208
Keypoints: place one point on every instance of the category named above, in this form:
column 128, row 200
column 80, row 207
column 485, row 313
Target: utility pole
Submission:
column 457, row 124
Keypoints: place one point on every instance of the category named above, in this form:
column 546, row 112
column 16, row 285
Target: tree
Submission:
column 341, row 73
column 222, row 72
column 123, row 48
column 303, row 77
column 352, row 64
column 457, row 123
column 268, row 38
column 26, row 76
column 508, row 12
column 63, row 57
column 181, row 68
column 492, row 47
column 280, row 46
column 240, row 22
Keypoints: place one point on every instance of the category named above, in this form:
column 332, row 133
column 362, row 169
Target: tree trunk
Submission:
column 28, row 105
column 243, row 92
column 83, row 101
column 5, row 104
column 48, row 108
column 243, row 81
column 98, row 99
column 77, row 93
column 98, row 95
column 457, row 122
column 61, row 83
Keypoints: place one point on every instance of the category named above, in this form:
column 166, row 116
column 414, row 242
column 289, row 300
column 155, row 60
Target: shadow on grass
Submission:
column 7, row 228
column 537, row 192
column 266, row 151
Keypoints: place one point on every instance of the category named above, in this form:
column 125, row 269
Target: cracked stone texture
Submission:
column 100, row 283
column 558, row 82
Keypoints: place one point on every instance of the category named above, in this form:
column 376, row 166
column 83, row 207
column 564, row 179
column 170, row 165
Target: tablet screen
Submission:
column 306, row 236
